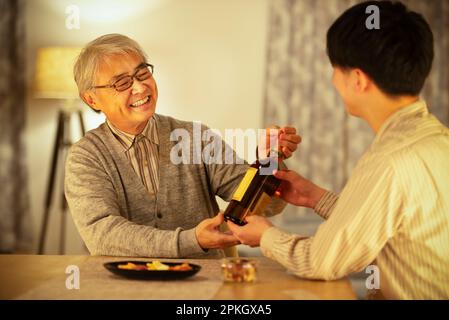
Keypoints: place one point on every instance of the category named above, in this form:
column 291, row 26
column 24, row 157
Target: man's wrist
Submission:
column 189, row 244
column 317, row 196
column 198, row 241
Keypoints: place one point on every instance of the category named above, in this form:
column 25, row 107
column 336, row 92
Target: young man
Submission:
column 394, row 209
column 126, row 195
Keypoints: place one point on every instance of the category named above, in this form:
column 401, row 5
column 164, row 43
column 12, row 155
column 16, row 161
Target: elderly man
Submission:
column 126, row 196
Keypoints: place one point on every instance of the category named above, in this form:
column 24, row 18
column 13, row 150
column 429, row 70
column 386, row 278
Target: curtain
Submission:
column 299, row 92
column 15, row 224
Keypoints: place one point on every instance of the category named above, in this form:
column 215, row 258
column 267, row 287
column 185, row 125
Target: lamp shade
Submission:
column 53, row 78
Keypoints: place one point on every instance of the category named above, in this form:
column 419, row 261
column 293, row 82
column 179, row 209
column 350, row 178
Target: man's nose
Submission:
column 137, row 87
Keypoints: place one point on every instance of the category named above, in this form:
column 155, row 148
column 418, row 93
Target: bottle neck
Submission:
column 280, row 154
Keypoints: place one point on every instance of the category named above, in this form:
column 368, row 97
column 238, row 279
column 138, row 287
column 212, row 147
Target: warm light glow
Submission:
column 104, row 11
column 107, row 12
column 54, row 73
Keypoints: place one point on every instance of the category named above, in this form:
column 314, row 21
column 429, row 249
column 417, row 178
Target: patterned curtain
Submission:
column 299, row 92
column 15, row 224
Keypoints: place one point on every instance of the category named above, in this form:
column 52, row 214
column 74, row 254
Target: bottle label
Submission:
column 244, row 184
column 261, row 204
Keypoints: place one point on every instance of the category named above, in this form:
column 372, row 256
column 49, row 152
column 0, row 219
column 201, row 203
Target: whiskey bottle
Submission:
column 253, row 194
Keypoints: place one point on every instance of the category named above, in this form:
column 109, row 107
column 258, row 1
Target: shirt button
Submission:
column 159, row 215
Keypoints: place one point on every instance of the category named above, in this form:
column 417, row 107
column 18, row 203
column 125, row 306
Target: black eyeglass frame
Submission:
column 114, row 85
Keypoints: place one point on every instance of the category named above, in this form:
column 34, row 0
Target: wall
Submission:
column 209, row 59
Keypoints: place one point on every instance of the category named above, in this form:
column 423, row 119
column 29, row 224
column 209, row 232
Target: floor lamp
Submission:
column 54, row 80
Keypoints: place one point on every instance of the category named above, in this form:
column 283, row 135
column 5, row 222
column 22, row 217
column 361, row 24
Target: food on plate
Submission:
column 155, row 265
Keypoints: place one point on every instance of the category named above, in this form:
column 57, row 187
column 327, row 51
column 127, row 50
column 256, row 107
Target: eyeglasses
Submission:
column 143, row 72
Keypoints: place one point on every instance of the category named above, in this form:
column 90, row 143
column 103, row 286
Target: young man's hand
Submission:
column 209, row 235
column 251, row 233
column 297, row 190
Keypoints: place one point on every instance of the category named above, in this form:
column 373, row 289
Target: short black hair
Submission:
column 397, row 57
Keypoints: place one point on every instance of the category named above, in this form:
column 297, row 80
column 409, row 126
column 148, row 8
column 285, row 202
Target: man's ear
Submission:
column 361, row 81
column 90, row 99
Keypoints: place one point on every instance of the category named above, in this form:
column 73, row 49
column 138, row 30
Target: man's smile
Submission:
column 141, row 102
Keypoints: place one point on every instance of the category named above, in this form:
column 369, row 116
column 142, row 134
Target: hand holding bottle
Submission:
column 209, row 235
column 257, row 187
column 297, row 190
column 285, row 140
column 251, row 233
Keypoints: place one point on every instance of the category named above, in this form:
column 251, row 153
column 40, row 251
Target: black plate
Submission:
column 151, row 274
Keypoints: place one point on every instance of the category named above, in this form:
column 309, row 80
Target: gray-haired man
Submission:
column 125, row 195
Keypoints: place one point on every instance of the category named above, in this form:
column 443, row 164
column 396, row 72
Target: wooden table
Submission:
column 21, row 274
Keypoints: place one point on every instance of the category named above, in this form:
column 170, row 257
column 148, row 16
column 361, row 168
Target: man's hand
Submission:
column 251, row 233
column 287, row 141
column 297, row 190
column 210, row 237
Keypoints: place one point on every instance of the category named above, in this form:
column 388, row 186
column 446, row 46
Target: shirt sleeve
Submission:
column 326, row 205
column 95, row 209
column 366, row 215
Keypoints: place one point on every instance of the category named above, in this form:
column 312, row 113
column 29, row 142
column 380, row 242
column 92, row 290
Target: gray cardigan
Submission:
column 116, row 215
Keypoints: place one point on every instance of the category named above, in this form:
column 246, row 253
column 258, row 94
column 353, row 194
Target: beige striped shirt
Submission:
column 142, row 151
column 394, row 211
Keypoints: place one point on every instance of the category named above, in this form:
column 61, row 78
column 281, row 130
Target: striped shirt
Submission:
column 142, row 151
column 394, row 211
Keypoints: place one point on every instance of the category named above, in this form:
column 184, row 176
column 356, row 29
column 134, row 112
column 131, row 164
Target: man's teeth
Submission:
column 140, row 102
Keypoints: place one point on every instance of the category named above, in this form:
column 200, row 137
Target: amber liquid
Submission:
column 239, row 270
column 254, row 199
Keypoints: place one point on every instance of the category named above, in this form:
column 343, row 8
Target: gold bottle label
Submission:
column 262, row 203
column 244, row 184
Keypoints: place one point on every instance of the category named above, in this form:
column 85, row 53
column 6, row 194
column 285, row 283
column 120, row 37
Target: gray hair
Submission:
column 88, row 62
